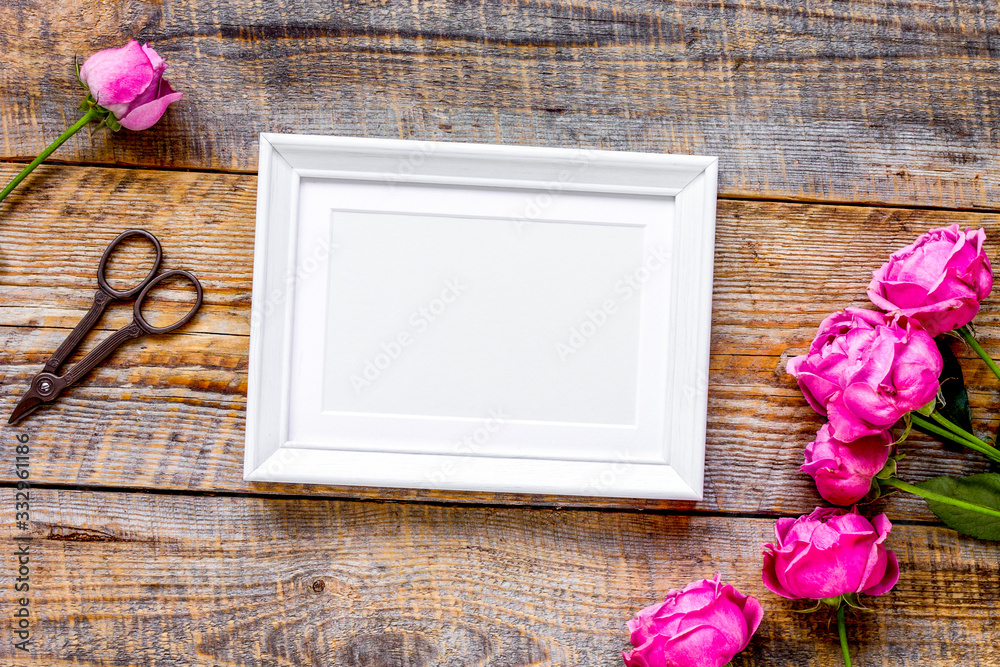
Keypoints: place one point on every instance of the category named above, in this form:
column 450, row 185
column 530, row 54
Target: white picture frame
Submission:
column 480, row 318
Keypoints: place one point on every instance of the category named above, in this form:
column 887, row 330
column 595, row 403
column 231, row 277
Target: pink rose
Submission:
column 844, row 470
column 937, row 281
column 129, row 82
column 704, row 625
column 830, row 553
column 865, row 372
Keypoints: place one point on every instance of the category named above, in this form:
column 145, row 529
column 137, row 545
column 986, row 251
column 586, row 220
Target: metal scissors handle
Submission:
column 105, row 294
column 46, row 385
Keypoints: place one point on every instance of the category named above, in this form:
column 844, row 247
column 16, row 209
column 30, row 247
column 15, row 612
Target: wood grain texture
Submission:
column 163, row 580
column 864, row 100
column 168, row 412
column 861, row 101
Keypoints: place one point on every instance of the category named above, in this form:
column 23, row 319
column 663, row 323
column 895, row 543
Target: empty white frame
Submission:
column 483, row 318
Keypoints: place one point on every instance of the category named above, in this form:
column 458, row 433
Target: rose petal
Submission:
column 145, row 116
column 896, row 292
column 846, row 425
column 781, row 528
column 155, row 60
column 817, row 390
column 770, row 576
column 890, row 577
column 871, row 407
column 702, row 645
column 753, row 612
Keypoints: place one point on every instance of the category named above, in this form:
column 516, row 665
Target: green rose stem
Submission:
column 972, row 443
column 91, row 114
column 955, row 428
column 966, row 335
column 938, row 498
column 843, row 636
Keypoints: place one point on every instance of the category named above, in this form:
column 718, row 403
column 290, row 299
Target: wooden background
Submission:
column 844, row 129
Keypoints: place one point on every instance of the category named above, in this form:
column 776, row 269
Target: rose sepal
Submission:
column 107, row 118
column 850, row 599
column 878, row 491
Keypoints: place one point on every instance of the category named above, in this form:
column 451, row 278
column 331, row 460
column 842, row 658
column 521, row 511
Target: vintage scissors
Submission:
column 46, row 386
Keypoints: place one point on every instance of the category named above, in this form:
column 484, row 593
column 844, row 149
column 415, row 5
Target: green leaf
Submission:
column 983, row 490
column 956, row 398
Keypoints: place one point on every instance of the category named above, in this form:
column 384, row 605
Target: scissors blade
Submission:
column 28, row 404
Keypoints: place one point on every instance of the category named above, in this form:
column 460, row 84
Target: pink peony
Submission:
column 865, row 372
column 844, row 470
column 129, row 82
column 829, row 553
column 704, row 625
column 937, row 281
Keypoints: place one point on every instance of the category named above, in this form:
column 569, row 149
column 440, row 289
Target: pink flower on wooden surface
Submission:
column 703, row 625
column 937, row 281
column 128, row 81
column 865, row 372
column 843, row 471
column 829, row 553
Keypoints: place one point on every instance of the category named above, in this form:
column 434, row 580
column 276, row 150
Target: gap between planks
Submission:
column 737, row 197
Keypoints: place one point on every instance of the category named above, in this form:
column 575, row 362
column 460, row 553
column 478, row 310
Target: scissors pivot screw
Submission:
column 44, row 386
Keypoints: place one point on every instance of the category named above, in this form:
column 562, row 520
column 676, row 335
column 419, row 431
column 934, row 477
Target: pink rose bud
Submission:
column 844, row 470
column 830, row 553
column 865, row 372
column 129, row 82
column 937, row 281
column 704, row 625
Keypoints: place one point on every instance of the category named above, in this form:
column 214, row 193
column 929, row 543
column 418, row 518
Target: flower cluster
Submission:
column 866, row 370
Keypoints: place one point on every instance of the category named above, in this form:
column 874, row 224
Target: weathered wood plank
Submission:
column 152, row 579
column 167, row 412
column 780, row 268
column 864, row 101
column 55, row 231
